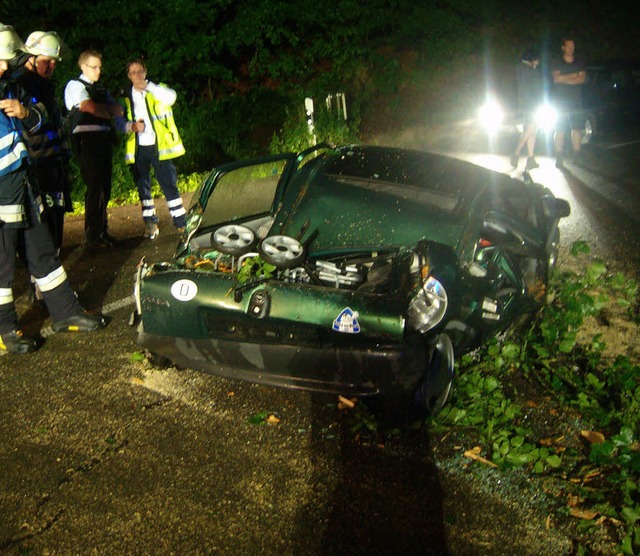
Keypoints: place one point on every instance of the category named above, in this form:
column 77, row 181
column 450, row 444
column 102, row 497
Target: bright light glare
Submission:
column 546, row 117
column 491, row 116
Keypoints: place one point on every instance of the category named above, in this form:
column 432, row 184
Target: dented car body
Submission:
column 356, row 270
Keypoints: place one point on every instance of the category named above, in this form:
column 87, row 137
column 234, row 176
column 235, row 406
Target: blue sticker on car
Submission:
column 347, row 322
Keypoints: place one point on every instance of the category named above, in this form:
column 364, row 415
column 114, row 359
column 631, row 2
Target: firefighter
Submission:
column 20, row 217
column 48, row 152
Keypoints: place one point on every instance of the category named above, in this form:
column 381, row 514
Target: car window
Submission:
column 243, row 192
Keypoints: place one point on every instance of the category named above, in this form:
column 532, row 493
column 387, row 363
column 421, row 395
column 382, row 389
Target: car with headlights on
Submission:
column 355, row 270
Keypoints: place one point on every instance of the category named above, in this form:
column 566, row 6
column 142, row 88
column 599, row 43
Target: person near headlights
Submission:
column 568, row 74
column 530, row 97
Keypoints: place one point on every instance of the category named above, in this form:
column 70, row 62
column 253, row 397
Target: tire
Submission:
column 435, row 386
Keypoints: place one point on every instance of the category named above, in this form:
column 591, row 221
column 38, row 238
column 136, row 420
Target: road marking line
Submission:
column 618, row 145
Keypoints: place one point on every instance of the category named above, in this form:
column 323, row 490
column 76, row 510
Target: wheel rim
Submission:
column 282, row 251
column 233, row 239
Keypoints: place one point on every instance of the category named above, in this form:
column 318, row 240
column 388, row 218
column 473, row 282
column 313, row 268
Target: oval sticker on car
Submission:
column 184, row 290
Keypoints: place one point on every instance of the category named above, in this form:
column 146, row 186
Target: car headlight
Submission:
column 546, row 117
column 491, row 116
column 428, row 306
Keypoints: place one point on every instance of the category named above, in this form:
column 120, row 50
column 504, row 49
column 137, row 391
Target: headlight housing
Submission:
column 428, row 306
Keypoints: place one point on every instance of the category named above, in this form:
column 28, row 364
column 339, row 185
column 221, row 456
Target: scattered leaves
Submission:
column 344, row 403
column 592, row 437
column 474, row 454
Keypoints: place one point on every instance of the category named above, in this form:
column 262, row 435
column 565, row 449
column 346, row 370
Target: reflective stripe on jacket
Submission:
column 167, row 136
column 12, row 147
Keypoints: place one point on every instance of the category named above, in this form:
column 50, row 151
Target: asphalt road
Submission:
column 102, row 454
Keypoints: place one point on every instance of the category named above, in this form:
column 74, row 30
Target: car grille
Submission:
column 244, row 329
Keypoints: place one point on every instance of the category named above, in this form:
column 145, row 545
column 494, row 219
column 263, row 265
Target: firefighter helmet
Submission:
column 10, row 43
column 44, row 43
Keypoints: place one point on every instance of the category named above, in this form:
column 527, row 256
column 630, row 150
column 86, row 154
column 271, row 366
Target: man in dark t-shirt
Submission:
column 568, row 74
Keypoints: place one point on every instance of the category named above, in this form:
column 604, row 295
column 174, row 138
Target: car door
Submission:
column 245, row 192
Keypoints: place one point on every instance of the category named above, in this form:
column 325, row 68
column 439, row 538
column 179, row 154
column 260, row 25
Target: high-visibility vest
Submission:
column 167, row 136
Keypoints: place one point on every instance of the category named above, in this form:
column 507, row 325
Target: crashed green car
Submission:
column 356, row 270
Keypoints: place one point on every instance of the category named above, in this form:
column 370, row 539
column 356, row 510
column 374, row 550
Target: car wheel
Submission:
column 233, row 240
column 282, row 251
column 436, row 382
column 590, row 128
column 553, row 246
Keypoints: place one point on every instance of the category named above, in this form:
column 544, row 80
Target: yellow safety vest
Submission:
column 167, row 136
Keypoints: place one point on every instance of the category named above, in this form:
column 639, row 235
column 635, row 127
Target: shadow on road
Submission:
column 385, row 499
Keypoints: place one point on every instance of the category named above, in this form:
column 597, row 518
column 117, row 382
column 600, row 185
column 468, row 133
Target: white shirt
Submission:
column 160, row 92
column 75, row 92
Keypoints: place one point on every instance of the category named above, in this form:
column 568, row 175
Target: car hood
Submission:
column 371, row 197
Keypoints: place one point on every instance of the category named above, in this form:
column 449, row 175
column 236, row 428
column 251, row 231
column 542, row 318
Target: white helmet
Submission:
column 44, row 43
column 10, row 43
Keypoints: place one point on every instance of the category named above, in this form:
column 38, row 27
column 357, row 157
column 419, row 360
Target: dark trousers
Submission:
column 94, row 151
column 42, row 261
column 52, row 183
column 165, row 173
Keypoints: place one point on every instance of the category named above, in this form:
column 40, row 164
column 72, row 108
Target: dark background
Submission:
column 243, row 67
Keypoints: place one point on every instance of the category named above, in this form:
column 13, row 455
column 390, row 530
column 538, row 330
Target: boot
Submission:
column 15, row 342
column 82, row 322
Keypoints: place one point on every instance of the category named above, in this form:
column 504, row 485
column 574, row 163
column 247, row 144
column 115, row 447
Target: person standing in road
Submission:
column 92, row 109
column 20, row 217
column 568, row 74
column 48, row 151
column 530, row 97
column 153, row 141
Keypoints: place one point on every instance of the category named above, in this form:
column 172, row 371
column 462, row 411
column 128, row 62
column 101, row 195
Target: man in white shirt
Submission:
column 153, row 141
column 92, row 109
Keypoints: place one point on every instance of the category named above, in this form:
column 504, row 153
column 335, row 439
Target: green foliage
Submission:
column 254, row 268
column 329, row 126
column 574, row 369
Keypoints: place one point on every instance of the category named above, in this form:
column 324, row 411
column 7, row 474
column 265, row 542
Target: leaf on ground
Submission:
column 345, row 403
column 137, row 381
column 273, row 420
column 592, row 437
column 582, row 513
column 474, row 454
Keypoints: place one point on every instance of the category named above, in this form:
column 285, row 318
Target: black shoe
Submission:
column 514, row 160
column 82, row 322
column 15, row 342
column 531, row 164
column 99, row 244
